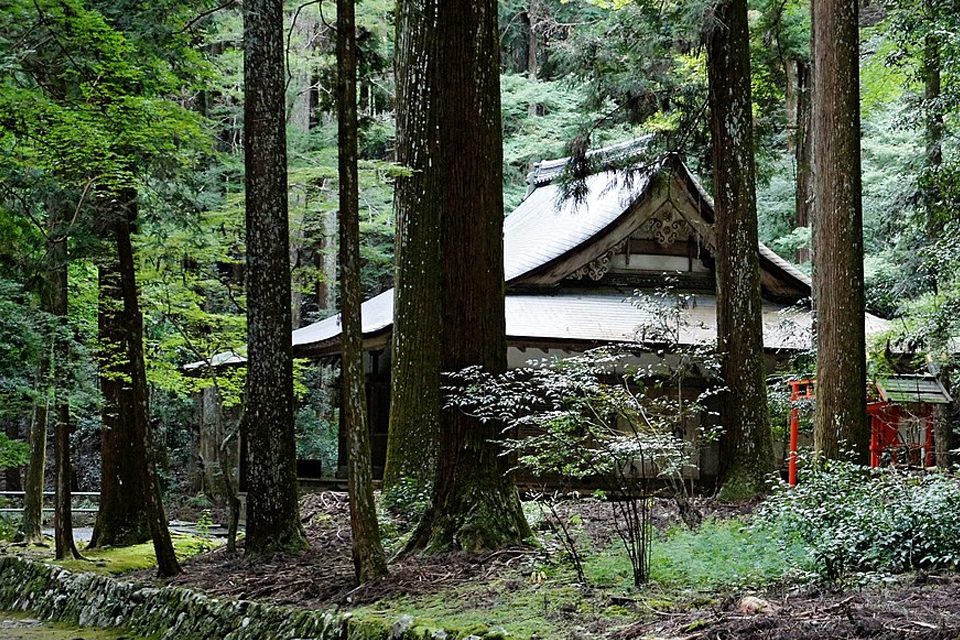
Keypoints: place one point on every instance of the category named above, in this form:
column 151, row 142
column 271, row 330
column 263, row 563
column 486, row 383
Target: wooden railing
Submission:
column 19, row 495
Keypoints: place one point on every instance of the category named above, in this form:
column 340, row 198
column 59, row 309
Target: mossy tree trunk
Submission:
column 368, row 558
column 840, row 416
column 475, row 504
column 122, row 515
column 273, row 521
column 143, row 453
column 414, row 429
column 746, row 444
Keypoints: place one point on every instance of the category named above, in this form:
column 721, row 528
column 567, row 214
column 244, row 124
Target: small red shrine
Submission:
column 902, row 409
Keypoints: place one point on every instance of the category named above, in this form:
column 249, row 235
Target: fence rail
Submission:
column 21, row 494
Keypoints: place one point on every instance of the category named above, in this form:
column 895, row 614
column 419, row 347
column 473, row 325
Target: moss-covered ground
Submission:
column 118, row 560
column 544, row 600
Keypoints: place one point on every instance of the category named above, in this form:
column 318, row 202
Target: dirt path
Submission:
column 16, row 627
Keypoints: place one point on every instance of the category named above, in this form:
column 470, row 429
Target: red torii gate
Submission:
column 898, row 401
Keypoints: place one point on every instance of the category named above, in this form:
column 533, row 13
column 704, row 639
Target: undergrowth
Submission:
column 854, row 519
column 720, row 554
column 120, row 560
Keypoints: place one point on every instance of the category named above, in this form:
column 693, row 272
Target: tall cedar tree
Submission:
column 125, row 213
column 64, row 543
column 368, row 558
column 747, row 453
column 273, row 520
column 122, row 514
column 840, row 415
column 414, row 429
column 475, row 505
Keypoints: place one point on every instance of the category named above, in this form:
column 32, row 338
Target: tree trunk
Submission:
column 414, row 429
column 144, row 447
column 747, row 450
column 533, row 67
column 62, row 511
column 122, row 514
column 933, row 123
column 475, row 505
column 273, row 521
column 31, row 529
column 368, row 558
column 801, row 150
column 840, row 420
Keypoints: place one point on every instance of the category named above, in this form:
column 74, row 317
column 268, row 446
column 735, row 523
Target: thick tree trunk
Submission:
column 273, row 521
column 475, row 505
column 414, row 429
column 368, row 558
column 840, row 420
column 747, row 442
column 144, row 452
column 62, row 511
column 31, row 529
column 122, row 514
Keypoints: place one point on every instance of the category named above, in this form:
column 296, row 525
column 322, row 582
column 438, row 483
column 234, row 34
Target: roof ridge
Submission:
column 546, row 171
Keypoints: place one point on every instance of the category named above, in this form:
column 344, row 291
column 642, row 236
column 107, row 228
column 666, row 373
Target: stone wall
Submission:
column 173, row 613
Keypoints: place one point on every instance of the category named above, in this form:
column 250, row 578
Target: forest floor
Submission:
column 721, row 581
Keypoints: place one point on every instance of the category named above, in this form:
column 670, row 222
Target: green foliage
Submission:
column 407, row 499
column 719, row 555
column 13, row 453
column 317, row 421
column 854, row 519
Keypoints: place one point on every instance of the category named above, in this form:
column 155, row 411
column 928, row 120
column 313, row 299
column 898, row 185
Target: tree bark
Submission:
column 414, row 428
column 933, row 122
column 533, row 67
column 840, row 419
column 801, row 151
column 144, row 447
column 746, row 443
column 122, row 515
column 368, row 558
column 475, row 505
column 273, row 521
column 62, row 512
column 31, row 529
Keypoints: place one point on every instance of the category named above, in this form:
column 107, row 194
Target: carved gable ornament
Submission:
column 666, row 225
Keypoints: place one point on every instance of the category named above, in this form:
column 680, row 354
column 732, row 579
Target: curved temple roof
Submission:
column 544, row 228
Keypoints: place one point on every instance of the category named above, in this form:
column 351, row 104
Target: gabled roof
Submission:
column 913, row 389
column 545, row 226
column 546, row 230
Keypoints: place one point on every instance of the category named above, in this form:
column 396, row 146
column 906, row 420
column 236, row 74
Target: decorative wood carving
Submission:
column 668, row 226
column 599, row 266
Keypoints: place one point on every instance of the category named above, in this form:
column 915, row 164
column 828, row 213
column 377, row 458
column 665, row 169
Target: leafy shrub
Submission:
column 853, row 518
column 407, row 499
column 13, row 453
